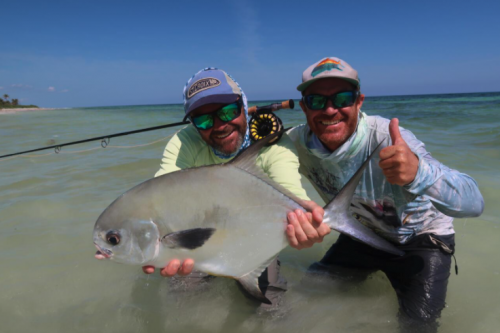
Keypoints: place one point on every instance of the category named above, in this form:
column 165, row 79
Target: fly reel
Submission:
column 264, row 122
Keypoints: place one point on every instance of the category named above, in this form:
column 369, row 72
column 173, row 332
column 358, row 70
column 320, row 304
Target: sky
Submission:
column 75, row 53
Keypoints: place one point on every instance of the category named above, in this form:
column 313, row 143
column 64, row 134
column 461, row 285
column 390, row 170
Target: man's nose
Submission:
column 330, row 109
column 218, row 124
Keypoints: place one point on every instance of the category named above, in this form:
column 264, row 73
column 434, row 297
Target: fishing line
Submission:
column 263, row 123
column 105, row 139
column 91, row 149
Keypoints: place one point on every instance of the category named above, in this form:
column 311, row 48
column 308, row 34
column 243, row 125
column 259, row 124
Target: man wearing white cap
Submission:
column 217, row 108
column 405, row 195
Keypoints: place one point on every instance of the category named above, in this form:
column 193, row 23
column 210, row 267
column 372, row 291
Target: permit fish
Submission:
column 229, row 218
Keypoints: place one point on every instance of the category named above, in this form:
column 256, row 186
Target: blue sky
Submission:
column 98, row 53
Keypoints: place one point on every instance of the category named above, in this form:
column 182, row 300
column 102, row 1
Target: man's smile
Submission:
column 224, row 135
column 329, row 122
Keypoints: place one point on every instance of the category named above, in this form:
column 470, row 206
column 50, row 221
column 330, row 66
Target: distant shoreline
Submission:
column 16, row 110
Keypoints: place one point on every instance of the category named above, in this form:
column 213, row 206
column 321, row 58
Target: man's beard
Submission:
column 239, row 142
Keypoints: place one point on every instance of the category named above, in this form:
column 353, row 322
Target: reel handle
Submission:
column 272, row 107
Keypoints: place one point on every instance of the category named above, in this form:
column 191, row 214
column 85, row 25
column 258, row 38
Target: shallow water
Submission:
column 50, row 281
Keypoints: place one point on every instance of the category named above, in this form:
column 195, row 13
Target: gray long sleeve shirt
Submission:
column 397, row 213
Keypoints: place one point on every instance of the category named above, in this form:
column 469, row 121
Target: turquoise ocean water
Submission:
column 50, row 281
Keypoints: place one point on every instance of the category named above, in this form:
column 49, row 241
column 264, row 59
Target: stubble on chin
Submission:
column 333, row 141
column 239, row 141
column 220, row 148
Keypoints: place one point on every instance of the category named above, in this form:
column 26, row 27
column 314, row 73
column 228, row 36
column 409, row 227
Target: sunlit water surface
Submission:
column 50, row 281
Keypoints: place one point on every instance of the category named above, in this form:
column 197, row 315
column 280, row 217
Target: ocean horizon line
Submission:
column 269, row 100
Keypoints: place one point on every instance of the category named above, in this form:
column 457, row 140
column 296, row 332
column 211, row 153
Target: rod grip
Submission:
column 287, row 104
column 273, row 107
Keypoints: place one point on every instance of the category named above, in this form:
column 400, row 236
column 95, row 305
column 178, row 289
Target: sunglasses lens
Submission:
column 229, row 112
column 340, row 100
column 344, row 99
column 204, row 121
column 315, row 102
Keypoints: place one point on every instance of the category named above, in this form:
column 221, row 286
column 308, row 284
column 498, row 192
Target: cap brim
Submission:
column 211, row 99
column 303, row 86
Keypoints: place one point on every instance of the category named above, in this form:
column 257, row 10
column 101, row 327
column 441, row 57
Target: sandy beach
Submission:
column 9, row 111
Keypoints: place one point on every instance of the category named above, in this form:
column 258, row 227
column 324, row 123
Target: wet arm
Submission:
column 451, row 192
column 177, row 154
column 303, row 229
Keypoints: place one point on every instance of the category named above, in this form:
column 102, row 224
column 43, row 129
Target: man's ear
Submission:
column 302, row 106
column 360, row 101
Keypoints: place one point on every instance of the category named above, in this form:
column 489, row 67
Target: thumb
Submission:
column 396, row 137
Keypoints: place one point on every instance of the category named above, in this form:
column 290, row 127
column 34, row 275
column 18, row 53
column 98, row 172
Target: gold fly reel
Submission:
column 264, row 124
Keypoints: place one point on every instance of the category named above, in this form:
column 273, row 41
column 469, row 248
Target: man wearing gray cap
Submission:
column 217, row 108
column 405, row 195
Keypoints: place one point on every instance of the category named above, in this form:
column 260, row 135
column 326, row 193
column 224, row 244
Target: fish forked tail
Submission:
column 338, row 216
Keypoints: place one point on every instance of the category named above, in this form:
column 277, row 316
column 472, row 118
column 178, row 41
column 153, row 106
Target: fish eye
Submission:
column 113, row 238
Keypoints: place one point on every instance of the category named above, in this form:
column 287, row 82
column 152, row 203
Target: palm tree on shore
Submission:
column 6, row 97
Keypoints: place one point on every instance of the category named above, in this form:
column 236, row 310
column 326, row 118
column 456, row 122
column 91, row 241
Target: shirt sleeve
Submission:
column 178, row 154
column 281, row 163
column 453, row 193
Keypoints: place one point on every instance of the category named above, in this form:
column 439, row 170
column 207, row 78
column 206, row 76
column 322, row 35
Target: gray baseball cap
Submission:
column 208, row 86
column 329, row 67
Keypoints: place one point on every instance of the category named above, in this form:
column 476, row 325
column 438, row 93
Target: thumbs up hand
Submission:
column 399, row 164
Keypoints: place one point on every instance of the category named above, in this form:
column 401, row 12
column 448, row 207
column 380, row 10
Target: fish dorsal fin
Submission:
column 250, row 282
column 188, row 239
column 245, row 161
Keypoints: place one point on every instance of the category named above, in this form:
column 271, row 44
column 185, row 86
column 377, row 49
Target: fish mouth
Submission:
column 102, row 254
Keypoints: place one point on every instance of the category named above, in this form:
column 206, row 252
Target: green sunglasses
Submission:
column 339, row 100
column 225, row 114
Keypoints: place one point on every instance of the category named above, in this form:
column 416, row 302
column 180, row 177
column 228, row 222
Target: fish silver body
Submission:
column 248, row 215
column 229, row 218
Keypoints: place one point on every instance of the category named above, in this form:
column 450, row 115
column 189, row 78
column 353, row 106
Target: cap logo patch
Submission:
column 326, row 65
column 201, row 85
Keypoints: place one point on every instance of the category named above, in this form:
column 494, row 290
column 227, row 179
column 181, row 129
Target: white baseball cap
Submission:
column 329, row 67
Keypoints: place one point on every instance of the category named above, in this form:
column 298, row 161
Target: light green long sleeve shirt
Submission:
column 280, row 161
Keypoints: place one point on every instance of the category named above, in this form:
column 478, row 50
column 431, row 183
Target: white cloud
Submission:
column 64, row 90
column 1, row 88
column 21, row 86
column 51, row 89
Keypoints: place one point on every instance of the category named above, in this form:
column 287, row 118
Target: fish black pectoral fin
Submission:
column 250, row 282
column 188, row 239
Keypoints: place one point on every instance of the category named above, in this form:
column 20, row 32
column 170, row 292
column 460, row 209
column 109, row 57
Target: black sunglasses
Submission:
column 339, row 100
column 225, row 114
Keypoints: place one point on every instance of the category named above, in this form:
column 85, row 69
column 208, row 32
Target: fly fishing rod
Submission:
column 105, row 139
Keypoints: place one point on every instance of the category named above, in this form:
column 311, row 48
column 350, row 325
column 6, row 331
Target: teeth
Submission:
column 223, row 136
column 324, row 122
